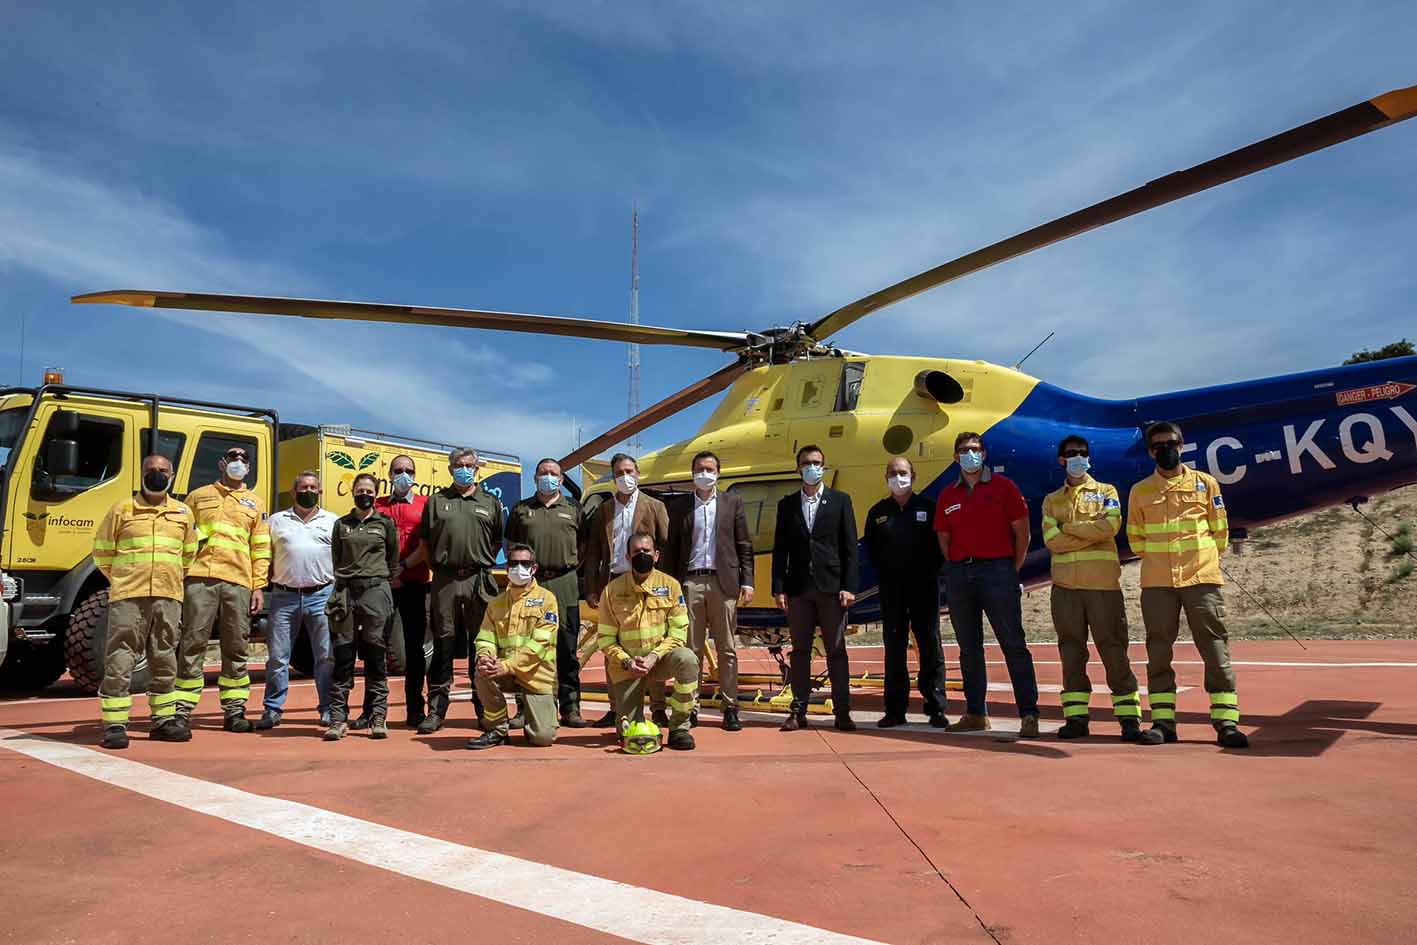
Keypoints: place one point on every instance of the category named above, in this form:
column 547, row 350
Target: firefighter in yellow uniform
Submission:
column 224, row 587
column 1176, row 523
column 142, row 547
column 1080, row 525
column 516, row 648
column 643, row 633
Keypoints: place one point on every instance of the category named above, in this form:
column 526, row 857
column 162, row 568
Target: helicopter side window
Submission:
column 76, row 458
column 849, row 392
column 760, row 507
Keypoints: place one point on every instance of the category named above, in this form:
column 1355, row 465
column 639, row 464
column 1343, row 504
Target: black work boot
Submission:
column 1228, row 736
column 268, row 720
column 1157, row 734
column 486, row 740
column 680, row 740
column 1073, row 728
column 115, row 736
column 430, row 724
column 1131, row 730
column 170, row 730
column 890, row 720
column 731, row 722
column 796, row 717
column 361, row 723
column 844, row 722
column 236, row 721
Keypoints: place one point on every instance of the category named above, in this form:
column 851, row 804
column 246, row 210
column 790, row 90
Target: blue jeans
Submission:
column 288, row 611
column 974, row 590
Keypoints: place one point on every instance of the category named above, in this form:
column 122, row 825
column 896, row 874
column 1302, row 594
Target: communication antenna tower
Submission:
column 632, row 399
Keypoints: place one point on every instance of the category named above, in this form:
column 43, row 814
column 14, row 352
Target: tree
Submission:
column 1398, row 349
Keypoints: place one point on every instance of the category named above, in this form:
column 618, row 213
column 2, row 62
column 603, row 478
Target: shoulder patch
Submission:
column 922, row 516
column 1218, row 502
column 952, row 508
column 1111, row 503
column 660, row 592
column 549, row 617
column 882, row 519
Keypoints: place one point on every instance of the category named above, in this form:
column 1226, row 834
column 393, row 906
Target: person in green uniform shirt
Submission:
column 365, row 549
column 550, row 523
column 516, row 652
column 461, row 531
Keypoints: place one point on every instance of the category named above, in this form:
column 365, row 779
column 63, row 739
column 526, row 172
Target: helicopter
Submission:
column 1280, row 445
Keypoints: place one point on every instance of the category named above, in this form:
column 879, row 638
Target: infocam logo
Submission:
column 59, row 521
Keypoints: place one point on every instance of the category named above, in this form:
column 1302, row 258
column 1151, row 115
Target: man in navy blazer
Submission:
column 814, row 579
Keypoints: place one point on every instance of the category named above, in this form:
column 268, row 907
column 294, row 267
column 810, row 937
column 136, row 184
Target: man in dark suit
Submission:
column 714, row 555
column 607, row 538
column 814, row 579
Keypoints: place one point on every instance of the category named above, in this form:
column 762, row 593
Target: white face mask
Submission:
column 812, row 473
column 519, row 574
column 899, row 483
column 704, row 479
column 625, row 483
column 236, row 469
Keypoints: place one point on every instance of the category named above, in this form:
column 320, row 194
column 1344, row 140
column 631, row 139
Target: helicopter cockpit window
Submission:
column 760, row 507
column 852, row 373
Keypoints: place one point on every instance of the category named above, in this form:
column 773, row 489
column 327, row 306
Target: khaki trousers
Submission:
column 537, row 708
column 138, row 625
column 207, row 601
column 678, row 665
column 1075, row 612
column 1161, row 609
column 713, row 612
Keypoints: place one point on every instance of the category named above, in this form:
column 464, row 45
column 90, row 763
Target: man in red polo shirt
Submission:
column 982, row 523
column 410, row 585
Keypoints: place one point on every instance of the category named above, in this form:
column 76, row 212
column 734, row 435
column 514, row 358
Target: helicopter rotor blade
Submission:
column 648, row 417
column 422, row 315
column 1351, row 122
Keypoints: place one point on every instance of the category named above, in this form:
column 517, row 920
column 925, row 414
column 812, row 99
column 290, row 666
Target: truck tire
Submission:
column 30, row 667
column 86, row 642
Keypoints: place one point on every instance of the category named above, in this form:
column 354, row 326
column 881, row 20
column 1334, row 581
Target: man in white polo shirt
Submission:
column 302, row 574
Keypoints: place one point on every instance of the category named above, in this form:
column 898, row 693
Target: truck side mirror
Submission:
column 64, row 423
column 61, row 457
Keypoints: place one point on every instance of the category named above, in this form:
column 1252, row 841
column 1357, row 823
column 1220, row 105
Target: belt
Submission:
column 363, row 581
column 694, row 572
column 973, row 560
column 299, row 590
column 552, row 574
column 460, row 573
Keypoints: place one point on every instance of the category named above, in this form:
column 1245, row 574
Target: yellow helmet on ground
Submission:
column 640, row 738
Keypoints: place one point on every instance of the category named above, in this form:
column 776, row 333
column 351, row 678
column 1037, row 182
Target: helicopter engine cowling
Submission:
column 939, row 387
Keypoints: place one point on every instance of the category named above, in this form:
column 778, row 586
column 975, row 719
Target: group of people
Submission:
column 661, row 584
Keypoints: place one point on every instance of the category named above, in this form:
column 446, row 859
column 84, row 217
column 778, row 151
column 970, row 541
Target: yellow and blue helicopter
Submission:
column 1280, row 446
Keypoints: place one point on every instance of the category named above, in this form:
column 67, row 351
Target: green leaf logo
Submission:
column 367, row 460
column 36, row 517
column 340, row 459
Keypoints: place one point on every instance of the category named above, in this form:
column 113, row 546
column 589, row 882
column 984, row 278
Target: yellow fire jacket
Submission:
column 639, row 619
column 143, row 549
column 1080, row 526
column 1179, row 528
column 234, row 534
column 519, row 629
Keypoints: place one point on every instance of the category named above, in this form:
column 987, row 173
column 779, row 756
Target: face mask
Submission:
column 971, row 461
column 363, row 502
column 236, row 469
column 812, row 473
column 548, row 484
column 154, row 481
column 463, row 475
column 519, row 574
column 899, row 485
column 625, row 484
column 402, row 482
column 308, row 500
column 642, row 562
column 1168, row 457
column 704, row 479
column 1077, row 466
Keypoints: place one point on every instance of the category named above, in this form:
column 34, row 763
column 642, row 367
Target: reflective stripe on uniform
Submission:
column 1178, row 544
column 1224, row 707
column 229, row 545
column 1075, row 704
column 1127, row 706
column 162, row 705
column 231, row 689
column 683, row 698
column 1068, row 557
column 1163, row 706
column 114, row 708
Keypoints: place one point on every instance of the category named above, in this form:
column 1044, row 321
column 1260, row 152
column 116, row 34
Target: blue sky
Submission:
column 786, row 158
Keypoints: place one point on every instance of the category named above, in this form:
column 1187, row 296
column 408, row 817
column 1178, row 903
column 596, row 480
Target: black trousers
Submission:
column 411, row 602
column 805, row 613
column 913, row 604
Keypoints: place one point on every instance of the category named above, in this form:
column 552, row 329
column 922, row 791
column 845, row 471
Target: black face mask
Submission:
column 154, row 481
column 308, row 500
column 1168, row 457
column 363, row 502
column 642, row 562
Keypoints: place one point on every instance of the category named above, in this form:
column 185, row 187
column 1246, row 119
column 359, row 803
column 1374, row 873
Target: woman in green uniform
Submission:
column 365, row 546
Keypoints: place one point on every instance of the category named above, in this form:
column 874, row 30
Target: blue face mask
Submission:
column 548, row 485
column 463, row 475
column 812, row 474
column 402, row 483
column 1078, row 466
column 971, row 461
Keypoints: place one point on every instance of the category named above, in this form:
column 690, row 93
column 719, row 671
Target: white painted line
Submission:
column 630, row 912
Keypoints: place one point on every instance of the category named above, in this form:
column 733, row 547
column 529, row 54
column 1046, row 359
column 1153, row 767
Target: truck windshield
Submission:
column 11, row 422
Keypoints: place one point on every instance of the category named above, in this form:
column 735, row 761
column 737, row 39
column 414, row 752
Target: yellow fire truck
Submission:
column 67, row 454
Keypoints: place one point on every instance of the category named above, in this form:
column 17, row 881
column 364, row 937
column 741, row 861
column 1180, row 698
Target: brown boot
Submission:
column 971, row 723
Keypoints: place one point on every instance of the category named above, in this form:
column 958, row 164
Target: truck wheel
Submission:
column 32, row 666
column 86, row 642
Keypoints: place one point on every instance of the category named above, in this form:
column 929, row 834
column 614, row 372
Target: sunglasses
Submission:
column 235, row 454
column 1162, row 444
column 1069, row 454
column 524, row 562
